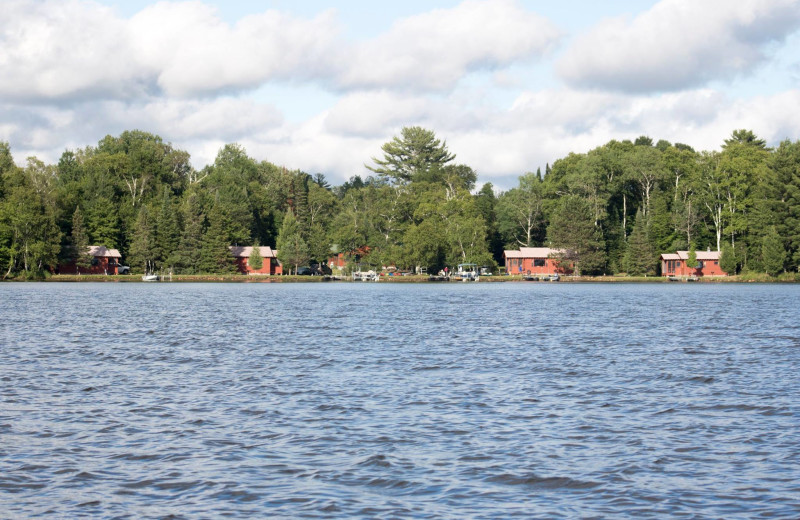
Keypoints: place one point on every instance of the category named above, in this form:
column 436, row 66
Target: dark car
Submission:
column 304, row 271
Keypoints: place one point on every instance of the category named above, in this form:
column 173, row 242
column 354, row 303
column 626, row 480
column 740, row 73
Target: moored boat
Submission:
column 466, row 273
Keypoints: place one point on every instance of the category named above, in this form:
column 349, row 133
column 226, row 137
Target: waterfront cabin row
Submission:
column 675, row 264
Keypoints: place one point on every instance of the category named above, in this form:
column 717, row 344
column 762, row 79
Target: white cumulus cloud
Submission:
column 434, row 50
column 192, row 51
column 679, row 44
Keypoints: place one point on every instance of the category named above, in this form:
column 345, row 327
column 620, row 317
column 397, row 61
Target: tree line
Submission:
column 613, row 209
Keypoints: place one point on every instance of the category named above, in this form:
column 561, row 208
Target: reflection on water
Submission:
column 399, row 401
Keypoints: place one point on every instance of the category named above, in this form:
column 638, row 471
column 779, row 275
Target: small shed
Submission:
column 104, row 261
column 269, row 266
column 675, row 264
column 533, row 261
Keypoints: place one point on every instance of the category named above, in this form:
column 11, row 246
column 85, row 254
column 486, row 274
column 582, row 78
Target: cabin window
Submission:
column 538, row 262
column 95, row 261
column 700, row 264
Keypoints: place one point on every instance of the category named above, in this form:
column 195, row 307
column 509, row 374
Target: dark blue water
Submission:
column 399, row 401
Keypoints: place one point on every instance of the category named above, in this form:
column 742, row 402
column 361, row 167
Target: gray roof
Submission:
column 246, row 251
column 103, row 251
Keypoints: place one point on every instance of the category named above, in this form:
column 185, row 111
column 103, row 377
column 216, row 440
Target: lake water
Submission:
column 459, row 401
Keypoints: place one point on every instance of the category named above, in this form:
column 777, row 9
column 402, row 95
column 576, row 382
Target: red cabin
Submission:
column 340, row 260
column 104, row 261
column 534, row 261
column 674, row 264
column 269, row 266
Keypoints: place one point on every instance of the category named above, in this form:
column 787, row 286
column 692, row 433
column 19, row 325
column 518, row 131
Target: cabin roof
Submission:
column 103, row 251
column 684, row 255
column 531, row 252
column 246, row 251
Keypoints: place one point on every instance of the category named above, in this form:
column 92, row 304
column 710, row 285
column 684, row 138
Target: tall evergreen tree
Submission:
column 188, row 256
column 215, row 253
column 773, row 253
column 143, row 251
column 691, row 261
column 256, row 261
column 785, row 162
column 572, row 230
column 102, row 222
column 292, row 249
column 79, row 242
column 727, row 259
column 412, row 155
column 639, row 258
column 167, row 232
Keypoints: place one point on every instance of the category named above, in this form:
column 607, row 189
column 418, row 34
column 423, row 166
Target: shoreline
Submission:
column 239, row 278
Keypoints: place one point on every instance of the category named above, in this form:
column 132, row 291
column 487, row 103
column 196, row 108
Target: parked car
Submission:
column 304, row 271
column 121, row 269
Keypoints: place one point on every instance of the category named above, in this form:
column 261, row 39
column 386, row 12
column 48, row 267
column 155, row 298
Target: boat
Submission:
column 466, row 273
column 554, row 278
column 365, row 276
column 149, row 274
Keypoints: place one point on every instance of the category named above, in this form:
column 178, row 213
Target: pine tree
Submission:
column 256, row 261
column 292, row 249
column 187, row 256
column 143, row 247
column 79, row 242
column 102, row 222
column 572, row 230
column 691, row 262
column 167, row 233
column 215, row 254
column 727, row 259
column 412, row 156
column 773, row 253
column 639, row 259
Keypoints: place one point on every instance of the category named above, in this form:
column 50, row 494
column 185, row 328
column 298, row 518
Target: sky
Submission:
column 509, row 85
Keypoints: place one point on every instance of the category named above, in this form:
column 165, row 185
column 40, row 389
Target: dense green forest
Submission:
column 616, row 207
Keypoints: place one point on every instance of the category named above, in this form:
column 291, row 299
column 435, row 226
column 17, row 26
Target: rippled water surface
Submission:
column 399, row 401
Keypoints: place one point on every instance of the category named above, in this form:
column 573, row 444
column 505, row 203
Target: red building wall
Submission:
column 679, row 268
column 100, row 265
column 269, row 266
column 533, row 266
